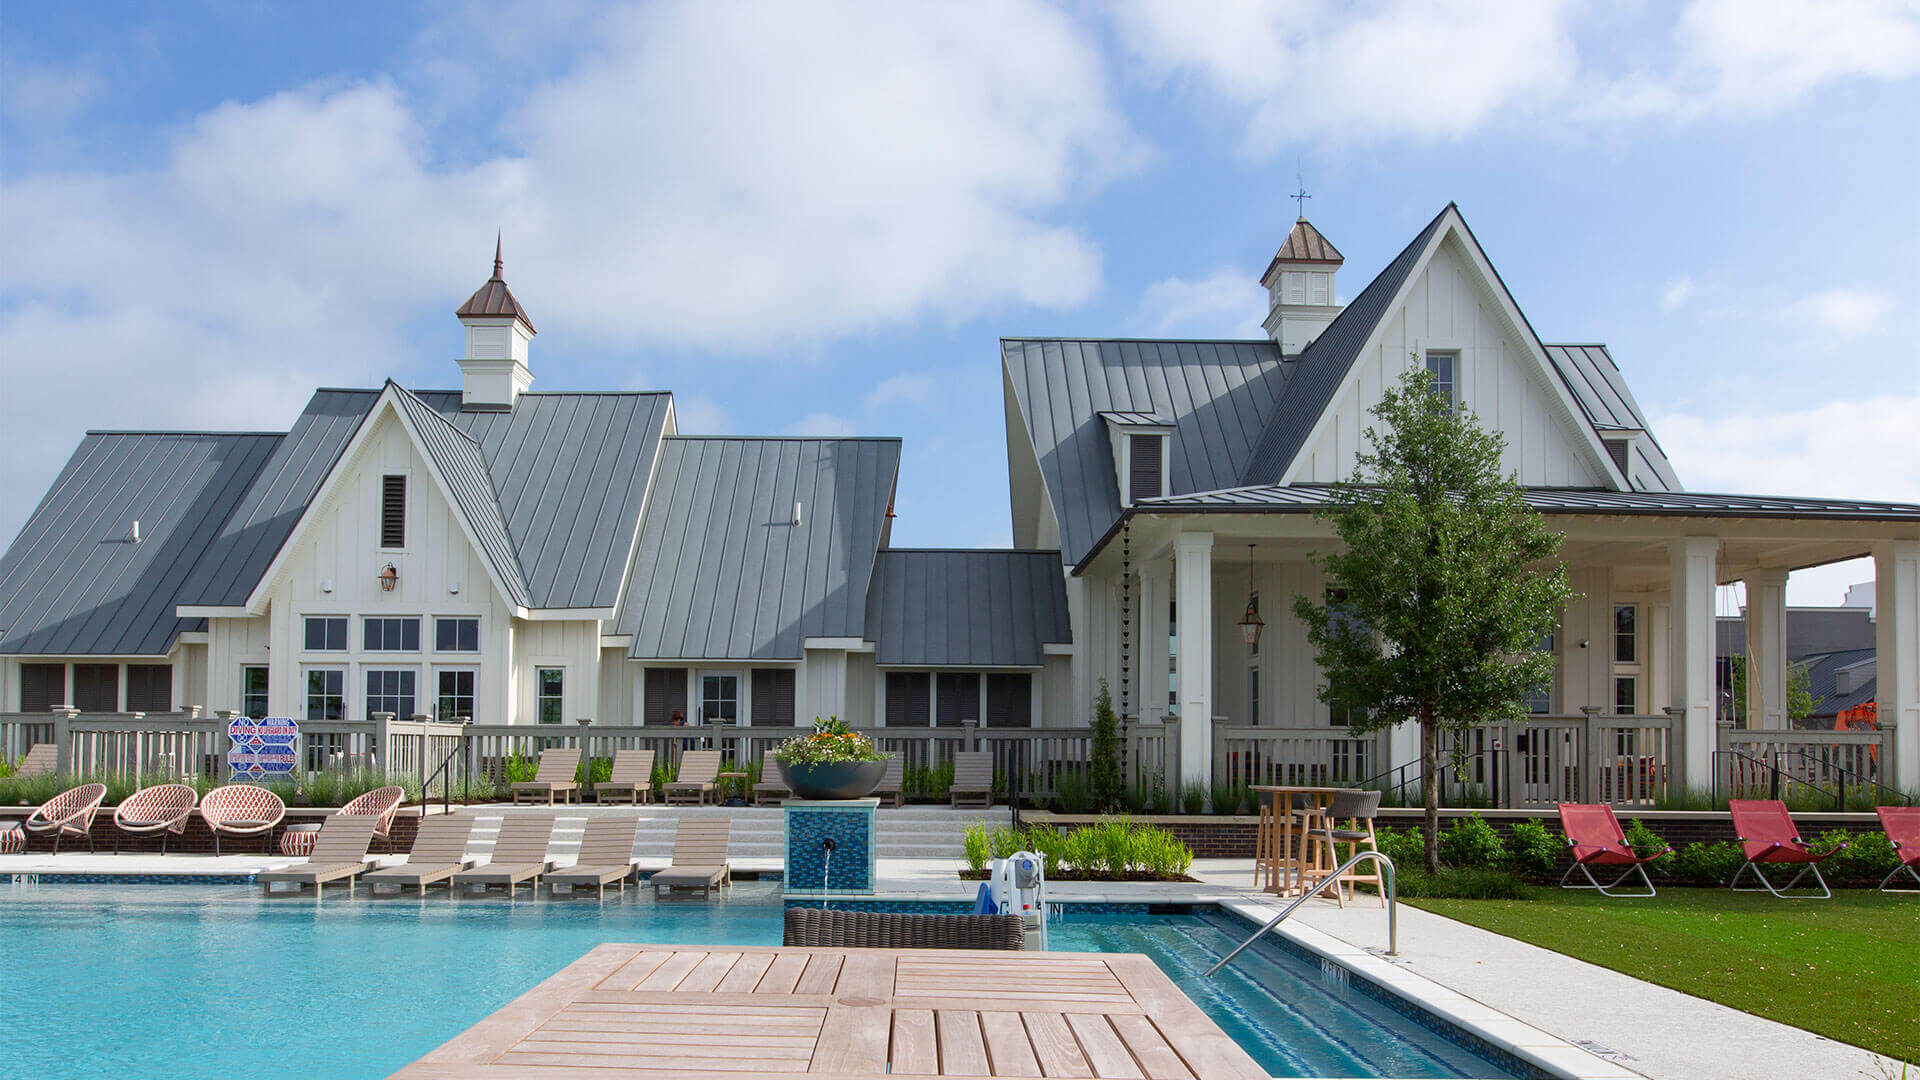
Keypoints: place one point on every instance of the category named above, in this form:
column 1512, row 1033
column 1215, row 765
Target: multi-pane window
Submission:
column 1253, row 693
column 326, row 633
column 455, row 699
column 326, row 694
column 456, row 635
column 253, row 690
column 1625, row 695
column 1173, row 656
column 393, row 511
column 1625, row 618
column 1443, row 366
column 1541, row 700
column 390, row 634
column 549, row 694
column 390, row 690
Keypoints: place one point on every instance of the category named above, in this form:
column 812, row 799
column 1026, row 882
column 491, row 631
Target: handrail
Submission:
column 1393, row 913
column 1776, row 775
column 446, row 788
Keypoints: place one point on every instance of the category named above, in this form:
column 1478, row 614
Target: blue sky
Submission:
column 821, row 218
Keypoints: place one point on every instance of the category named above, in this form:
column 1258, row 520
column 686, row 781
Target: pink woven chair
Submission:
column 241, row 810
column 69, row 813
column 163, row 809
column 381, row 804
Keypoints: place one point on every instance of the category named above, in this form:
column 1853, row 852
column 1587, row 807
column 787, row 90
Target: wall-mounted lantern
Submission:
column 389, row 577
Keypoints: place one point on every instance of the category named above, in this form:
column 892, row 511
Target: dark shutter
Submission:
column 1143, row 466
column 96, row 687
column 42, row 686
column 909, row 699
column 150, row 688
column 959, row 698
column 773, row 696
column 1618, row 450
column 1010, row 700
column 393, row 511
column 666, row 691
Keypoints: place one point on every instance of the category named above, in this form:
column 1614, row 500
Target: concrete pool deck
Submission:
column 1500, row 985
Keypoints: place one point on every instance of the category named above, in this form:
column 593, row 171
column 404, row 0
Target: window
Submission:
column 42, row 686
column 390, row 690
column 326, row 694
column 1173, row 657
column 956, row 698
column 326, row 633
column 549, row 694
column 455, row 700
column 253, row 690
column 1625, row 616
column 1253, row 693
column 1625, row 696
column 456, row 635
column 1442, row 366
column 665, row 694
column 909, row 699
column 150, row 688
column 1144, row 455
column 1010, row 700
column 772, row 696
column 720, row 698
column 96, row 687
column 393, row 511
column 1541, row 700
column 390, row 635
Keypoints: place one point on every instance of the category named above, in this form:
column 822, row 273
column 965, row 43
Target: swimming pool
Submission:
column 195, row 981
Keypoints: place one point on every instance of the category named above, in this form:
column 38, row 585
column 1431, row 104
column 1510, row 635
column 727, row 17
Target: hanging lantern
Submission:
column 1250, row 624
column 389, row 577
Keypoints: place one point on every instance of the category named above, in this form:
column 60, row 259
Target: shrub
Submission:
column 1072, row 793
column 1531, row 849
column 1404, row 846
column 1868, row 857
column 1645, row 841
column 1471, row 842
column 1083, row 851
column 1708, row 863
column 1049, row 843
column 1161, row 853
column 1229, row 796
column 1104, row 783
column 1475, row 883
column 979, row 849
column 1193, row 800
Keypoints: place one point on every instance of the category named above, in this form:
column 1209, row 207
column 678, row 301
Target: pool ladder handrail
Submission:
column 1393, row 914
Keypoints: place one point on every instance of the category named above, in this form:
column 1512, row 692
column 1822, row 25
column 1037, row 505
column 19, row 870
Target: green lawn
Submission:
column 1846, row 968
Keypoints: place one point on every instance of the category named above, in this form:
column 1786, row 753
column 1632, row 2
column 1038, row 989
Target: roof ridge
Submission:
column 186, row 431
column 971, row 551
column 451, row 426
column 785, row 438
column 1144, row 340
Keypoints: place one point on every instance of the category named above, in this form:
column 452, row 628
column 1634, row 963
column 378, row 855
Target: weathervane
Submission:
column 1301, row 195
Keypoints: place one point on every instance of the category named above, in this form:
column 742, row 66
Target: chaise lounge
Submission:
column 439, row 852
column 381, row 804
column 553, row 776
column 699, row 857
column 972, row 780
column 1596, row 838
column 631, row 775
column 1902, row 826
column 1767, row 835
column 41, row 759
column 606, row 856
column 699, row 777
column 339, row 854
column 519, row 856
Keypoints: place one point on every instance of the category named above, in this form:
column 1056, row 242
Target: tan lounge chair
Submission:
column 773, row 783
column 69, row 813
column 632, row 776
column 241, row 810
column 40, row 760
column 972, row 780
column 162, row 808
column 439, row 852
column 699, row 857
column 339, row 854
column 558, row 764
column 606, row 856
column 893, row 789
column 519, row 855
column 698, row 777
column 381, row 804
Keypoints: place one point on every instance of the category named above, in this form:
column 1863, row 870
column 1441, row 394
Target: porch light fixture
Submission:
column 1250, row 624
column 389, row 577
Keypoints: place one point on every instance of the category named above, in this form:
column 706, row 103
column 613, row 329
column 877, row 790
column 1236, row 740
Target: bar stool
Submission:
column 1263, row 841
column 1357, row 809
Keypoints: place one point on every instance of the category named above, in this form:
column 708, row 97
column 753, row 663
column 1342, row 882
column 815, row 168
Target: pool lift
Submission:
column 1017, row 885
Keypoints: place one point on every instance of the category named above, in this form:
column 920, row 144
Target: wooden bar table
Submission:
column 1287, row 870
column 696, row 1012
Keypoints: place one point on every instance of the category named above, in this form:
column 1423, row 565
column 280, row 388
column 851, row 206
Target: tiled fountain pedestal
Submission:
column 812, row 871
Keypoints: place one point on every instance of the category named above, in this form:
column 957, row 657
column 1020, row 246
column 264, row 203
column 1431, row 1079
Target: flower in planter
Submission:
column 831, row 743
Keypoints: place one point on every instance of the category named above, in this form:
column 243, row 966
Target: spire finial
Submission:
column 1301, row 195
column 497, row 265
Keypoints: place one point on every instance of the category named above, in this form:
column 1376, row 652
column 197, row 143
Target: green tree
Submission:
column 1799, row 692
column 1104, row 766
column 1443, row 588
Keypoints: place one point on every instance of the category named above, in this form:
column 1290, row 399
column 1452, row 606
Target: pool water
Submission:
column 200, row 981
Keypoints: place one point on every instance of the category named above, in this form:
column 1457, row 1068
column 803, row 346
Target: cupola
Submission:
column 494, row 372
column 1299, row 281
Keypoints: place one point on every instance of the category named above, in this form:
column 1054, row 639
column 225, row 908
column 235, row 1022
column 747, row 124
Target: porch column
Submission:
column 1896, row 574
column 1766, row 703
column 1695, row 562
column 1193, row 597
column 1150, row 703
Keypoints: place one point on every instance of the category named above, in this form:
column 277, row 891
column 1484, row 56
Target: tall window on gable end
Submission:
column 1144, row 466
column 393, row 511
column 1445, row 368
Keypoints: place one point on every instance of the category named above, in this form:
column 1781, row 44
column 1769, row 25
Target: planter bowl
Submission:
column 839, row 780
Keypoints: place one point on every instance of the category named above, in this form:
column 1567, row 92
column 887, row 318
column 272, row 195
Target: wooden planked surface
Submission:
column 726, row 1012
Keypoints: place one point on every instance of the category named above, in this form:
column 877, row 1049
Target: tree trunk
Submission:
column 1430, row 786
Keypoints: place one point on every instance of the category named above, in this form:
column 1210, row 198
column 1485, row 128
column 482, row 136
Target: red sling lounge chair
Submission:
column 69, row 813
column 1767, row 835
column 1902, row 824
column 1596, row 838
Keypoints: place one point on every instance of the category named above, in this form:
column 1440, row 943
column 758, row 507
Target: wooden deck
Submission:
column 721, row 1013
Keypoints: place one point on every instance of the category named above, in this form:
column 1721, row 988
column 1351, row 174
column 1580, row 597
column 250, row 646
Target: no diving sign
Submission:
column 263, row 748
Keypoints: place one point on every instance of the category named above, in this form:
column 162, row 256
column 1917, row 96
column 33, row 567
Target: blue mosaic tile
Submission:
column 851, row 863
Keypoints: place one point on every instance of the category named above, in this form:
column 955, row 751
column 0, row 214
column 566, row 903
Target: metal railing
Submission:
column 1393, row 907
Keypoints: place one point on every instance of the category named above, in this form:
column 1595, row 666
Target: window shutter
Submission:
column 393, row 512
column 150, row 688
column 96, row 687
column 666, row 690
column 959, row 699
column 1010, row 700
column 773, row 696
column 909, row 701
column 1143, row 466
column 42, row 686
column 1617, row 449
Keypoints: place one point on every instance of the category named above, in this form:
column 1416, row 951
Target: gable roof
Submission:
column 75, row 583
column 1217, row 395
column 723, row 570
column 967, row 608
column 1594, row 379
column 463, row 470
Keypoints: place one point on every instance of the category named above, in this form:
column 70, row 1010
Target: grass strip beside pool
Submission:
column 1847, row 968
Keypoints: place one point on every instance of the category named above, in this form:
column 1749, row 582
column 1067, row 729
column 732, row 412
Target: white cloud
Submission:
column 1848, row 312
column 698, row 414
column 1858, row 448
column 821, row 425
column 1753, row 55
column 1676, row 294
column 1226, row 303
column 907, row 386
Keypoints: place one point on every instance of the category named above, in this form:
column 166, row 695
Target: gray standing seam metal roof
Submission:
column 967, row 608
column 1594, row 379
column 723, row 573
column 568, row 472
column 1218, row 396
column 1809, row 631
column 458, row 460
column 74, row 582
column 1821, row 669
column 1558, row 500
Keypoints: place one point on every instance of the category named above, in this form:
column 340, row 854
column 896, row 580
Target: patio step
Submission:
column 910, row 832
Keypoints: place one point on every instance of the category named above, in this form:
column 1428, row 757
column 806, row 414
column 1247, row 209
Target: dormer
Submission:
column 1140, row 442
column 1300, row 288
column 494, row 372
column 1620, row 443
